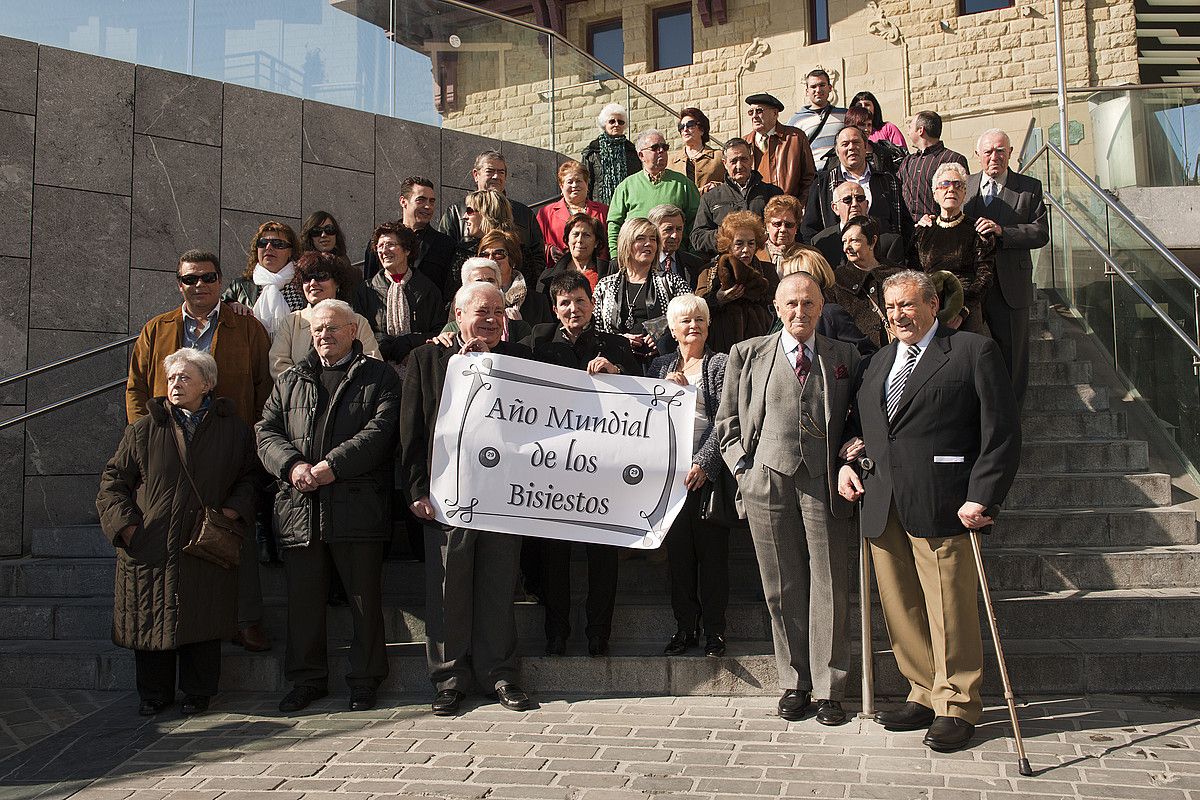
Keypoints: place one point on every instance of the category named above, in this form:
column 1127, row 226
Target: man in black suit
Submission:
column 881, row 188
column 434, row 254
column 849, row 200
column 1009, row 206
column 574, row 342
column 470, row 628
column 939, row 420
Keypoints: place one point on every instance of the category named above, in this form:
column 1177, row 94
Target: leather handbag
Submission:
column 215, row 537
column 719, row 495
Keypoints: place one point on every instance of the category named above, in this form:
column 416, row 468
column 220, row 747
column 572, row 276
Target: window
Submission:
column 818, row 20
column 975, row 6
column 673, row 37
column 606, row 41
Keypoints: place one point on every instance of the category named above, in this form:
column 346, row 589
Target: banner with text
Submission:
column 538, row 450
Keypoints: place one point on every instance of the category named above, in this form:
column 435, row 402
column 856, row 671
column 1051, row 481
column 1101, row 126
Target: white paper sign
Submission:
column 538, row 450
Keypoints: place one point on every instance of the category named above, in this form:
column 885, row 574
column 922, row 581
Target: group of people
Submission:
column 869, row 311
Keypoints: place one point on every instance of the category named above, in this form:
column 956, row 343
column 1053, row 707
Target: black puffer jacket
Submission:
column 360, row 445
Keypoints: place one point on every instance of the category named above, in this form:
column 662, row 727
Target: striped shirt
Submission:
column 808, row 118
column 916, row 174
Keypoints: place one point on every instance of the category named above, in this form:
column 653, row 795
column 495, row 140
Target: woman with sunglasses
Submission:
column 484, row 211
column 950, row 242
column 701, row 163
column 321, row 276
column 610, row 158
column 322, row 233
column 268, row 286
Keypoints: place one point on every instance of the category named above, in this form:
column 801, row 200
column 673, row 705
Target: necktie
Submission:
column 803, row 366
column 668, row 267
column 897, row 388
column 989, row 193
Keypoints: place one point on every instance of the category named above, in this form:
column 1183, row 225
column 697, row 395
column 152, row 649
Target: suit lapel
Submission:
column 974, row 203
column 933, row 360
column 765, row 356
column 422, row 251
column 819, row 352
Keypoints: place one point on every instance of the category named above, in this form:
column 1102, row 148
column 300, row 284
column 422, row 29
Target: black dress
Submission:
column 958, row 249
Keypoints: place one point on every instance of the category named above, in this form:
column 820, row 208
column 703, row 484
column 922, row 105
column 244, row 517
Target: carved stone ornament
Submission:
column 757, row 49
column 881, row 26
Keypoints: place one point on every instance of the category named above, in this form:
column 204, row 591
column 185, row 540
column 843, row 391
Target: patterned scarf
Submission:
column 189, row 421
column 612, row 167
column 399, row 317
column 515, row 295
column 279, row 295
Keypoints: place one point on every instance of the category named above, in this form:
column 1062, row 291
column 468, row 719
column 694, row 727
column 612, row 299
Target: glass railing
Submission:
column 1137, row 135
column 439, row 62
column 1130, row 292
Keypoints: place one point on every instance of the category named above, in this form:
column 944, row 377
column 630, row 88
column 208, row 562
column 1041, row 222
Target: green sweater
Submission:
column 636, row 195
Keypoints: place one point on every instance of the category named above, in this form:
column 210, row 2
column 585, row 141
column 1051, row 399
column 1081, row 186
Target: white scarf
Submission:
column 399, row 317
column 271, row 305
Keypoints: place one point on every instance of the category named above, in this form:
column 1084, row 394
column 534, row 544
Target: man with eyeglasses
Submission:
column 653, row 186
column 918, row 167
column 850, row 200
column 742, row 190
column 820, row 120
column 881, row 189
column 434, row 255
column 781, row 153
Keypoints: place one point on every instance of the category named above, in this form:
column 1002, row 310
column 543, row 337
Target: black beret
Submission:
column 764, row 99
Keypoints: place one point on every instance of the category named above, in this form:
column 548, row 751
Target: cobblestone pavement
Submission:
column 606, row 749
column 29, row 715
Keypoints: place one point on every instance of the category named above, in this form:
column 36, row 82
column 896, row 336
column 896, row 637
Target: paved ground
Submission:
column 610, row 749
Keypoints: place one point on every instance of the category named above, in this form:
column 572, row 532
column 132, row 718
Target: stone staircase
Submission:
column 1096, row 577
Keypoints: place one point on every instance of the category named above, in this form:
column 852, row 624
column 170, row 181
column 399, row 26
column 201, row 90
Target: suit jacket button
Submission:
column 891, row 437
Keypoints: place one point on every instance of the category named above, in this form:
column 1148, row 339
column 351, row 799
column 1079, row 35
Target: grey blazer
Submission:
column 1021, row 214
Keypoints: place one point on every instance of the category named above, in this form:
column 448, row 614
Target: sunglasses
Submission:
column 684, row 126
column 278, row 244
column 194, row 278
column 325, row 230
column 661, row 147
column 319, row 277
column 850, row 199
column 470, row 210
column 616, row 121
column 494, row 255
column 951, row 184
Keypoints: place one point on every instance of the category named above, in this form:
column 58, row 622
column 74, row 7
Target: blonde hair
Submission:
column 493, row 207
column 807, row 259
column 630, row 230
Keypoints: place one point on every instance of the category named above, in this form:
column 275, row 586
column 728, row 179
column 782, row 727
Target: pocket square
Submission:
column 841, row 373
column 949, row 459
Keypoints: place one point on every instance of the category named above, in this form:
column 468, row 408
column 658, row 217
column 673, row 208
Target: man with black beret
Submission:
column 781, row 153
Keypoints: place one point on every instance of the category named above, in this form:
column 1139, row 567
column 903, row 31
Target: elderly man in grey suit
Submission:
column 781, row 420
column 1009, row 206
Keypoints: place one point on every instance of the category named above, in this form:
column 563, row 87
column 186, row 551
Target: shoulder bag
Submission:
column 215, row 537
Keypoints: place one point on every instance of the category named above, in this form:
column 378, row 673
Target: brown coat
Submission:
column 164, row 598
column 749, row 315
column 788, row 162
column 240, row 347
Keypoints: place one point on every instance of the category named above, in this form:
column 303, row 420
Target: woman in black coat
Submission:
column 609, row 158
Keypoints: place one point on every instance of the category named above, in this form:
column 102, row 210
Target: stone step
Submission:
column 85, row 541
column 1089, row 490
column 1051, row 350
column 1073, row 425
column 1103, row 568
column 1079, row 397
column 1036, row 666
column 1099, row 528
column 1053, row 373
column 1084, row 455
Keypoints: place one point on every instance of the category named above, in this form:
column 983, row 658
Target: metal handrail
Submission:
column 84, row 395
column 62, row 362
column 1121, row 211
column 1139, row 87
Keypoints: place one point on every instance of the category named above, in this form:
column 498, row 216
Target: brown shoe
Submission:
column 253, row 638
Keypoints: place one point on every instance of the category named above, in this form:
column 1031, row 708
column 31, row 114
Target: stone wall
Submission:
column 108, row 171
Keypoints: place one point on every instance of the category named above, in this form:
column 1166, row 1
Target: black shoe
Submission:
column 829, row 712
column 681, row 642
column 362, row 698
column 299, row 698
column 714, row 646
column 194, row 704
column 908, row 717
column 597, row 646
column 794, row 704
column 445, row 703
column 512, row 697
column 556, row 646
column 150, row 708
column 948, row 734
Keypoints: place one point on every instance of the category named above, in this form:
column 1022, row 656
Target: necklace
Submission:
column 950, row 223
column 631, row 303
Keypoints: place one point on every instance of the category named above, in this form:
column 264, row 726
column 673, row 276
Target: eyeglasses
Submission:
column 470, row 210
column 325, row 230
column 319, row 277
column 691, row 123
column 756, row 112
column 277, row 244
column 951, row 184
column 494, row 255
column 616, row 121
column 661, row 147
column 851, row 199
column 195, row 278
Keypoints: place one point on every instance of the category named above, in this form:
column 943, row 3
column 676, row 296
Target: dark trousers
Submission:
column 470, row 626
column 556, row 583
column 308, row 571
column 198, row 663
column 698, row 558
column 1010, row 328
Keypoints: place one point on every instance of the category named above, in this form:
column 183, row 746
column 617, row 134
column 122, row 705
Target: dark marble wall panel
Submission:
column 402, row 149
column 176, row 200
column 18, row 75
column 532, row 176
column 85, row 122
column 80, row 271
column 348, row 195
column 339, row 137
column 237, row 228
column 14, row 324
column 16, row 182
column 12, row 494
column 260, row 152
column 52, row 500
column 152, row 292
column 458, row 156
column 177, row 106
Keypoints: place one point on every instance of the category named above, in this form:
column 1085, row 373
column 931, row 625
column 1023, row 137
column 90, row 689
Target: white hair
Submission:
column 947, row 168
column 470, row 290
column 687, row 304
column 205, row 364
column 665, row 211
column 992, row 132
column 479, row 262
column 644, row 135
column 336, row 307
column 611, row 110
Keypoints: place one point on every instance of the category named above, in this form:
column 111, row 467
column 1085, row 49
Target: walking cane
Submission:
column 1022, row 762
column 864, row 608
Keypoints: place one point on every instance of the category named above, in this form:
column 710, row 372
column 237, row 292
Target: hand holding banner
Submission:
column 538, row 450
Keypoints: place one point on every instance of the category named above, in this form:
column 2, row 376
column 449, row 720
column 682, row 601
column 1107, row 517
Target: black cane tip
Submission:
column 1024, row 768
